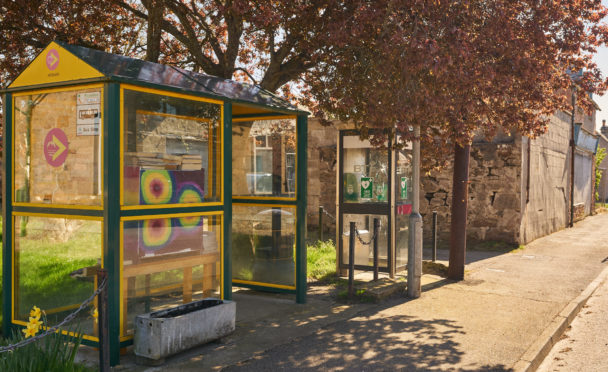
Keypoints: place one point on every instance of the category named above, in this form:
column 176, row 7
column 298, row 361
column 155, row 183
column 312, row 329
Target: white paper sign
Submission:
column 88, row 113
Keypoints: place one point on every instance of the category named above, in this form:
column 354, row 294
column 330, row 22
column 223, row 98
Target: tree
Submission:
column 599, row 158
column 270, row 42
column 29, row 26
column 453, row 68
column 459, row 68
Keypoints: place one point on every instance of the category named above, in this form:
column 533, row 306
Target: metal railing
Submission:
column 102, row 323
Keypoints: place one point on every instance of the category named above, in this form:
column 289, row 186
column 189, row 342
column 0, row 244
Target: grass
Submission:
column 51, row 354
column 321, row 261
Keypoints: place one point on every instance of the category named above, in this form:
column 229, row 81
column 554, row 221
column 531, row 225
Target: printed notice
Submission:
column 88, row 111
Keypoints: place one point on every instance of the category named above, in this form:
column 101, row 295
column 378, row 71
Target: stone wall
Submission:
column 322, row 163
column 494, row 193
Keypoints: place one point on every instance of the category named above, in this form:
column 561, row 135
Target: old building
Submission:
column 519, row 188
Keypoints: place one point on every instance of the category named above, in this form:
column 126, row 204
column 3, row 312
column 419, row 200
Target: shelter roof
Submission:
column 46, row 69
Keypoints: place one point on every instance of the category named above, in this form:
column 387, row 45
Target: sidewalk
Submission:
column 498, row 319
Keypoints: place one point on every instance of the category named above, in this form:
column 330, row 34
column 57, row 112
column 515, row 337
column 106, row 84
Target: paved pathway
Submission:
column 584, row 347
column 486, row 322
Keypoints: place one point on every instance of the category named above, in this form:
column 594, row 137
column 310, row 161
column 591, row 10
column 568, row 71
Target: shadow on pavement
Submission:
column 363, row 344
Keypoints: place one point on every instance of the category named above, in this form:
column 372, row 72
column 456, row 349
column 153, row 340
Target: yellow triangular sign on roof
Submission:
column 53, row 65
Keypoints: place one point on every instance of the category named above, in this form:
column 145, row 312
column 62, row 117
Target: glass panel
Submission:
column 364, row 254
column 264, row 158
column 403, row 203
column 57, row 147
column 167, row 262
column 56, row 262
column 365, row 171
column 172, row 150
column 263, row 244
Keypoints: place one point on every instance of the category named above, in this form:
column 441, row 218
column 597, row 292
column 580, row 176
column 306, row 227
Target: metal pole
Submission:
column 572, row 151
column 351, row 260
column 103, row 324
column 376, row 230
column 458, row 228
column 414, row 255
column 320, row 223
column 434, row 236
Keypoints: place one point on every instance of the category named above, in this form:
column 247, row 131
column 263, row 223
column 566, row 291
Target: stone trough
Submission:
column 163, row 333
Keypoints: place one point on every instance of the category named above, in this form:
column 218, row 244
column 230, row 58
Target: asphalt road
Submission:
column 584, row 346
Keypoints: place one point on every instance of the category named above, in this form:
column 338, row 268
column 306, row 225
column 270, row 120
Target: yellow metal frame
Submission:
column 101, row 139
column 47, row 215
column 122, row 144
column 279, row 198
column 261, row 284
column 150, row 217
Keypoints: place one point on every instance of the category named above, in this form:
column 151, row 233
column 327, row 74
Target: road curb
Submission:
column 536, row 353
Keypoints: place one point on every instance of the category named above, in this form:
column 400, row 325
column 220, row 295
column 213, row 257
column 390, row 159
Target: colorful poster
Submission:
column 367, row 186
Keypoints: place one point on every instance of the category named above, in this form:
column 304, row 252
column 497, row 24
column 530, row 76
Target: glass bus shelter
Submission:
column 373, row 182
column 177, row 183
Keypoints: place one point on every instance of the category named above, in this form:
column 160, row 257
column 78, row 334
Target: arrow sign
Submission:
column 52, row 59
column 55, row 147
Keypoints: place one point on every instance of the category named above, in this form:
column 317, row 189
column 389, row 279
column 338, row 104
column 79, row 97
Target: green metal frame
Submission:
column 111, row 212
column 302, row 169
column 7, row 212
column 227, row 239
column 111, row 198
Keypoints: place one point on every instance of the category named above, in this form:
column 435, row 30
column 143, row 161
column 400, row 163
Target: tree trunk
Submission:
column 460, row 197
column 156, row 9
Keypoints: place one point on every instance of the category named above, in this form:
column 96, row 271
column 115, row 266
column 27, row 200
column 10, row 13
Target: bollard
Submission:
column 434, row 236
column 320, row 223
column 351, row 261
column 102, row 323
column 376, row 233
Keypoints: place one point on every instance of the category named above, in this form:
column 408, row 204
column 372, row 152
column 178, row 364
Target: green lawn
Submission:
column 45, row 256
column 321, row 260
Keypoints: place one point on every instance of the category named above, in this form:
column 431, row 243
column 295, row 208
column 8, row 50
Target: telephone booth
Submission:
column 177, row 183
column 373, row 182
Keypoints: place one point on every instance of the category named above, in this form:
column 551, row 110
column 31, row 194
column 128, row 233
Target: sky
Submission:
column 601, row 58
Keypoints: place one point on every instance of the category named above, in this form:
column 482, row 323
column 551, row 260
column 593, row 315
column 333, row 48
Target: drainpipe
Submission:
column 572, row 150
column 528, row 171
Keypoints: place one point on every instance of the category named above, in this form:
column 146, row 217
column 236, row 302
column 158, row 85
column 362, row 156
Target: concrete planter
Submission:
column 167, row 332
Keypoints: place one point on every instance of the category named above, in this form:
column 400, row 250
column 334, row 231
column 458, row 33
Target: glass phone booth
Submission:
column 373, row 183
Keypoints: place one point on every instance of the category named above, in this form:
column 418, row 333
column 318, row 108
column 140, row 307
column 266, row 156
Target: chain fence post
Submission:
column 320, row 223
column 376, row 228
column 434, row 233
column 351, row 260
column 103, row 324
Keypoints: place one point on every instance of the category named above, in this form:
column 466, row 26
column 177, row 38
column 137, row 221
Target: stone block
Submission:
column 506, row 201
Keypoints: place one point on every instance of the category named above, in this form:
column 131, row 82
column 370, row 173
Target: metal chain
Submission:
column 361, row 240
column 54, row 328
column 328, row 215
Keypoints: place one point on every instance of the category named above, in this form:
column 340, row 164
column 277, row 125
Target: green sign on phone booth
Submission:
column 367, row 186
column 403, row 187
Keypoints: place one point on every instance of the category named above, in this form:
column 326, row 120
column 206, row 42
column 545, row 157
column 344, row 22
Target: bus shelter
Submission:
column 178, row 183
column 373, row 182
